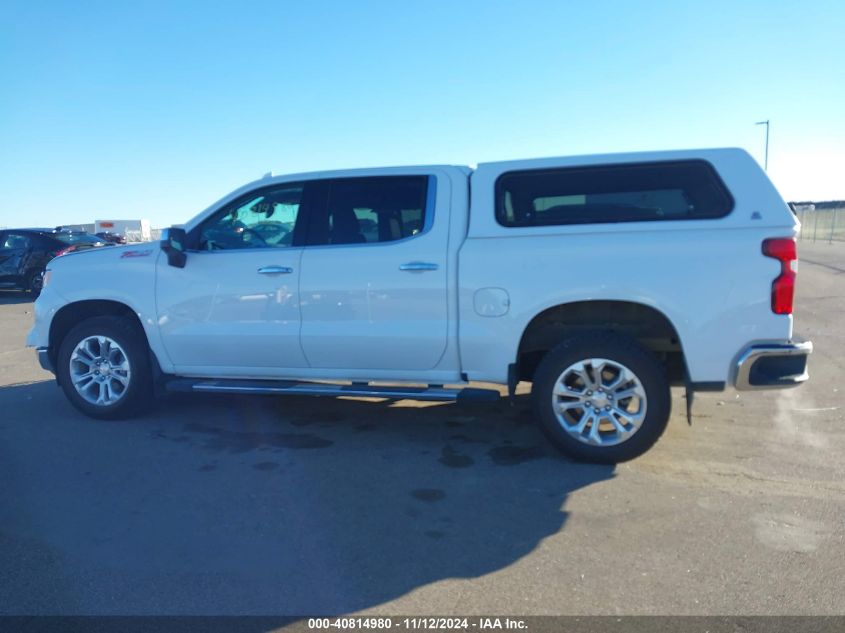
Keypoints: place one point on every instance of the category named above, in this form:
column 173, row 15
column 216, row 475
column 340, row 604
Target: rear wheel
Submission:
column 601, row 398
column 103, row 367
column 34, row 282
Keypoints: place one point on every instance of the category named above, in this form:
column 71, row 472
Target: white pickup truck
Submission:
column 603, row 280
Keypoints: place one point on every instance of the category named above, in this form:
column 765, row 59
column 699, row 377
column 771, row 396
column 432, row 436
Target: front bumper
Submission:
column 44, row 359
column 773, row 365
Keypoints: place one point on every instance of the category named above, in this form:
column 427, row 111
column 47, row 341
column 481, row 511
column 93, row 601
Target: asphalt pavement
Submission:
column 292, row 506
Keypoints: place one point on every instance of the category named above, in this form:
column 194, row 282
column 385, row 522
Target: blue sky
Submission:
column 156, row 109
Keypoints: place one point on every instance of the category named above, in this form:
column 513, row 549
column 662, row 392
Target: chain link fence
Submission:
column 821, row 225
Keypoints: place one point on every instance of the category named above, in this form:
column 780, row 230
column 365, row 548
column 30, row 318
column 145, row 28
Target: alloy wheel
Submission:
column 99, row 370
column 599, row 402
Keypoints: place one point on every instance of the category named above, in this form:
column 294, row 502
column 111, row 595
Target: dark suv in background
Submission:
column 24, row 254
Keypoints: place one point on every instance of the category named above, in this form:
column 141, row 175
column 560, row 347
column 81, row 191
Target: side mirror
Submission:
column 173, row 245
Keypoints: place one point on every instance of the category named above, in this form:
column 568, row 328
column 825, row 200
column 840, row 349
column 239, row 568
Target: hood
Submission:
column 103, row 259
column 108, row 252
column 112, row 272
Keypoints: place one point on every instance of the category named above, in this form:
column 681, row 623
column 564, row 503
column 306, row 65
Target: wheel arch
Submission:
column 70, row 315
column 647, row 325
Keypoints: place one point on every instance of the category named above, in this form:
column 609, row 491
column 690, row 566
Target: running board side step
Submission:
column 358, row 389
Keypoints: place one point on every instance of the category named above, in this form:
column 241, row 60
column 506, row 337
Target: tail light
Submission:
column 783, row 287
column 64, row 251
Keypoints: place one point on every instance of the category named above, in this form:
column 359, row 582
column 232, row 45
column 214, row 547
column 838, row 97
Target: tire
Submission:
column 34, row 282
column 567, row 407
column 127, row 372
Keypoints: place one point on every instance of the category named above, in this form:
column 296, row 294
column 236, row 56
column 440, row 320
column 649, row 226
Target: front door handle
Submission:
column 418, row 266
column 275, row 270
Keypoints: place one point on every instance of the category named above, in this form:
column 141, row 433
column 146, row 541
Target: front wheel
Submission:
column 103, row 367
column 601, row 398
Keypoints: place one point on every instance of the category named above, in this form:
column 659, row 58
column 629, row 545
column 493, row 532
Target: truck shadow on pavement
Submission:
column 276, row 506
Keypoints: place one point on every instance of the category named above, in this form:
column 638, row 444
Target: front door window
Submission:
column 265, row 219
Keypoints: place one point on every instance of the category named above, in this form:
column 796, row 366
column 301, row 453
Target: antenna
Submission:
column 766, row 123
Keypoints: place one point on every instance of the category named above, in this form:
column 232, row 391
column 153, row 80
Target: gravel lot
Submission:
column 232, row 505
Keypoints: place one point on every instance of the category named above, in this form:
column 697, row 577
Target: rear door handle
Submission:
column 275, row 270
column 418, row 266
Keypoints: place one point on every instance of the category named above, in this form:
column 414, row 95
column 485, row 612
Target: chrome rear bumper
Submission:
column 773, row 365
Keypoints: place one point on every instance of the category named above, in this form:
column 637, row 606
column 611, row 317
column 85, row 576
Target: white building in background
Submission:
column 132, row 230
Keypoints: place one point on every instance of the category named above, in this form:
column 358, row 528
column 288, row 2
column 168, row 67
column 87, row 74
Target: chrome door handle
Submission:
column 418, row 266
column 275, row 270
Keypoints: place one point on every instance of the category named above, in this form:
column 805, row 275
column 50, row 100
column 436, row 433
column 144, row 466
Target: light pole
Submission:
column 766, row 123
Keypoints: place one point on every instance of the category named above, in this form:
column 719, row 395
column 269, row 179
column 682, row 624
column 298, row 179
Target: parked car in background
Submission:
column 111, row 238
column 134, row 230
column 24, row 253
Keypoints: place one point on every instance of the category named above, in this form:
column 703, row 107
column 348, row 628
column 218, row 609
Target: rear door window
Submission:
column 370, row 210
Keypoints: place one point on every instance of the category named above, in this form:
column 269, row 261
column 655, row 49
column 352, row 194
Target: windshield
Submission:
column 77, row 238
